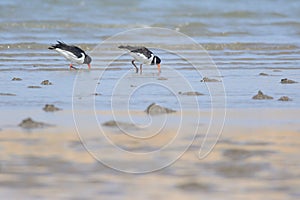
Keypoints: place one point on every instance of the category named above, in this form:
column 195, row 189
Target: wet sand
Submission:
column 256, row 157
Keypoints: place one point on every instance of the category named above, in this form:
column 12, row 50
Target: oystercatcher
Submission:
column 72, row 53
column 143, row 56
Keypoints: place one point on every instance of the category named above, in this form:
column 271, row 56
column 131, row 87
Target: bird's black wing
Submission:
column 75, row 50
column 143, row 50
column 130, row 48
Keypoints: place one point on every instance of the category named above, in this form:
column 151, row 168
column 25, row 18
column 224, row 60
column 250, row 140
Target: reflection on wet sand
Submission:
column 252, row 160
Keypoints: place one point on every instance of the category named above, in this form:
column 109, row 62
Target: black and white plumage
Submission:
column 143, row 56
column 72, row 53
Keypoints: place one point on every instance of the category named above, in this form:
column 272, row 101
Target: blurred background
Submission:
column 89, row 22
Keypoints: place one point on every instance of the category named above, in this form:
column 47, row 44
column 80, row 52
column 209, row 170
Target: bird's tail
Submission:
column 58, row 45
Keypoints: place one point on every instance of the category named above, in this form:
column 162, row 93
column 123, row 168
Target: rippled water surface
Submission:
column 242, row 38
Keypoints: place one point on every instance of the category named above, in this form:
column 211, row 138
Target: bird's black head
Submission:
column 87, row 60
column 156, row 60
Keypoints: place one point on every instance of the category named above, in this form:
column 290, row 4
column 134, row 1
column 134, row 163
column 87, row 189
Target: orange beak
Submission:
column 89, row 65
column 158, row 67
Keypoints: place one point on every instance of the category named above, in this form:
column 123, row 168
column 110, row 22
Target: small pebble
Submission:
column 7, row 94
column 190, row 93
column 34, row 86
column 16, row 79
column 154, row 109
column 117, row 124
column 260, row 95
column 287, row 81
column 50, row 108
column 284, row 98
column 205, row 79
column 162, row 78
column 28, row 123
column 263, row 74
column 46, row 82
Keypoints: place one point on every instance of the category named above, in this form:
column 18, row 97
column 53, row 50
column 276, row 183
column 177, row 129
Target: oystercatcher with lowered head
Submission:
column 143, row 56
column 72, row 53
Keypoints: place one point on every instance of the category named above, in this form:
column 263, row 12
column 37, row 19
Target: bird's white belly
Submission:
column 141, row 58
column 71, row 57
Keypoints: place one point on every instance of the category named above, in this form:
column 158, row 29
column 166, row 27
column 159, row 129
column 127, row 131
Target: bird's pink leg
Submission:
column 158, row 67
column 141, row 68
column 71, row 67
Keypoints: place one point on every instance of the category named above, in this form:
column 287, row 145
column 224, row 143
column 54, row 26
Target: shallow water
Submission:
column 243, row 40
column 257, row 155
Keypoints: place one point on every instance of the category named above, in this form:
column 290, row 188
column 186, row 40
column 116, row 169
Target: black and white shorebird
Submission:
column 72, row 53
column 143, row 56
